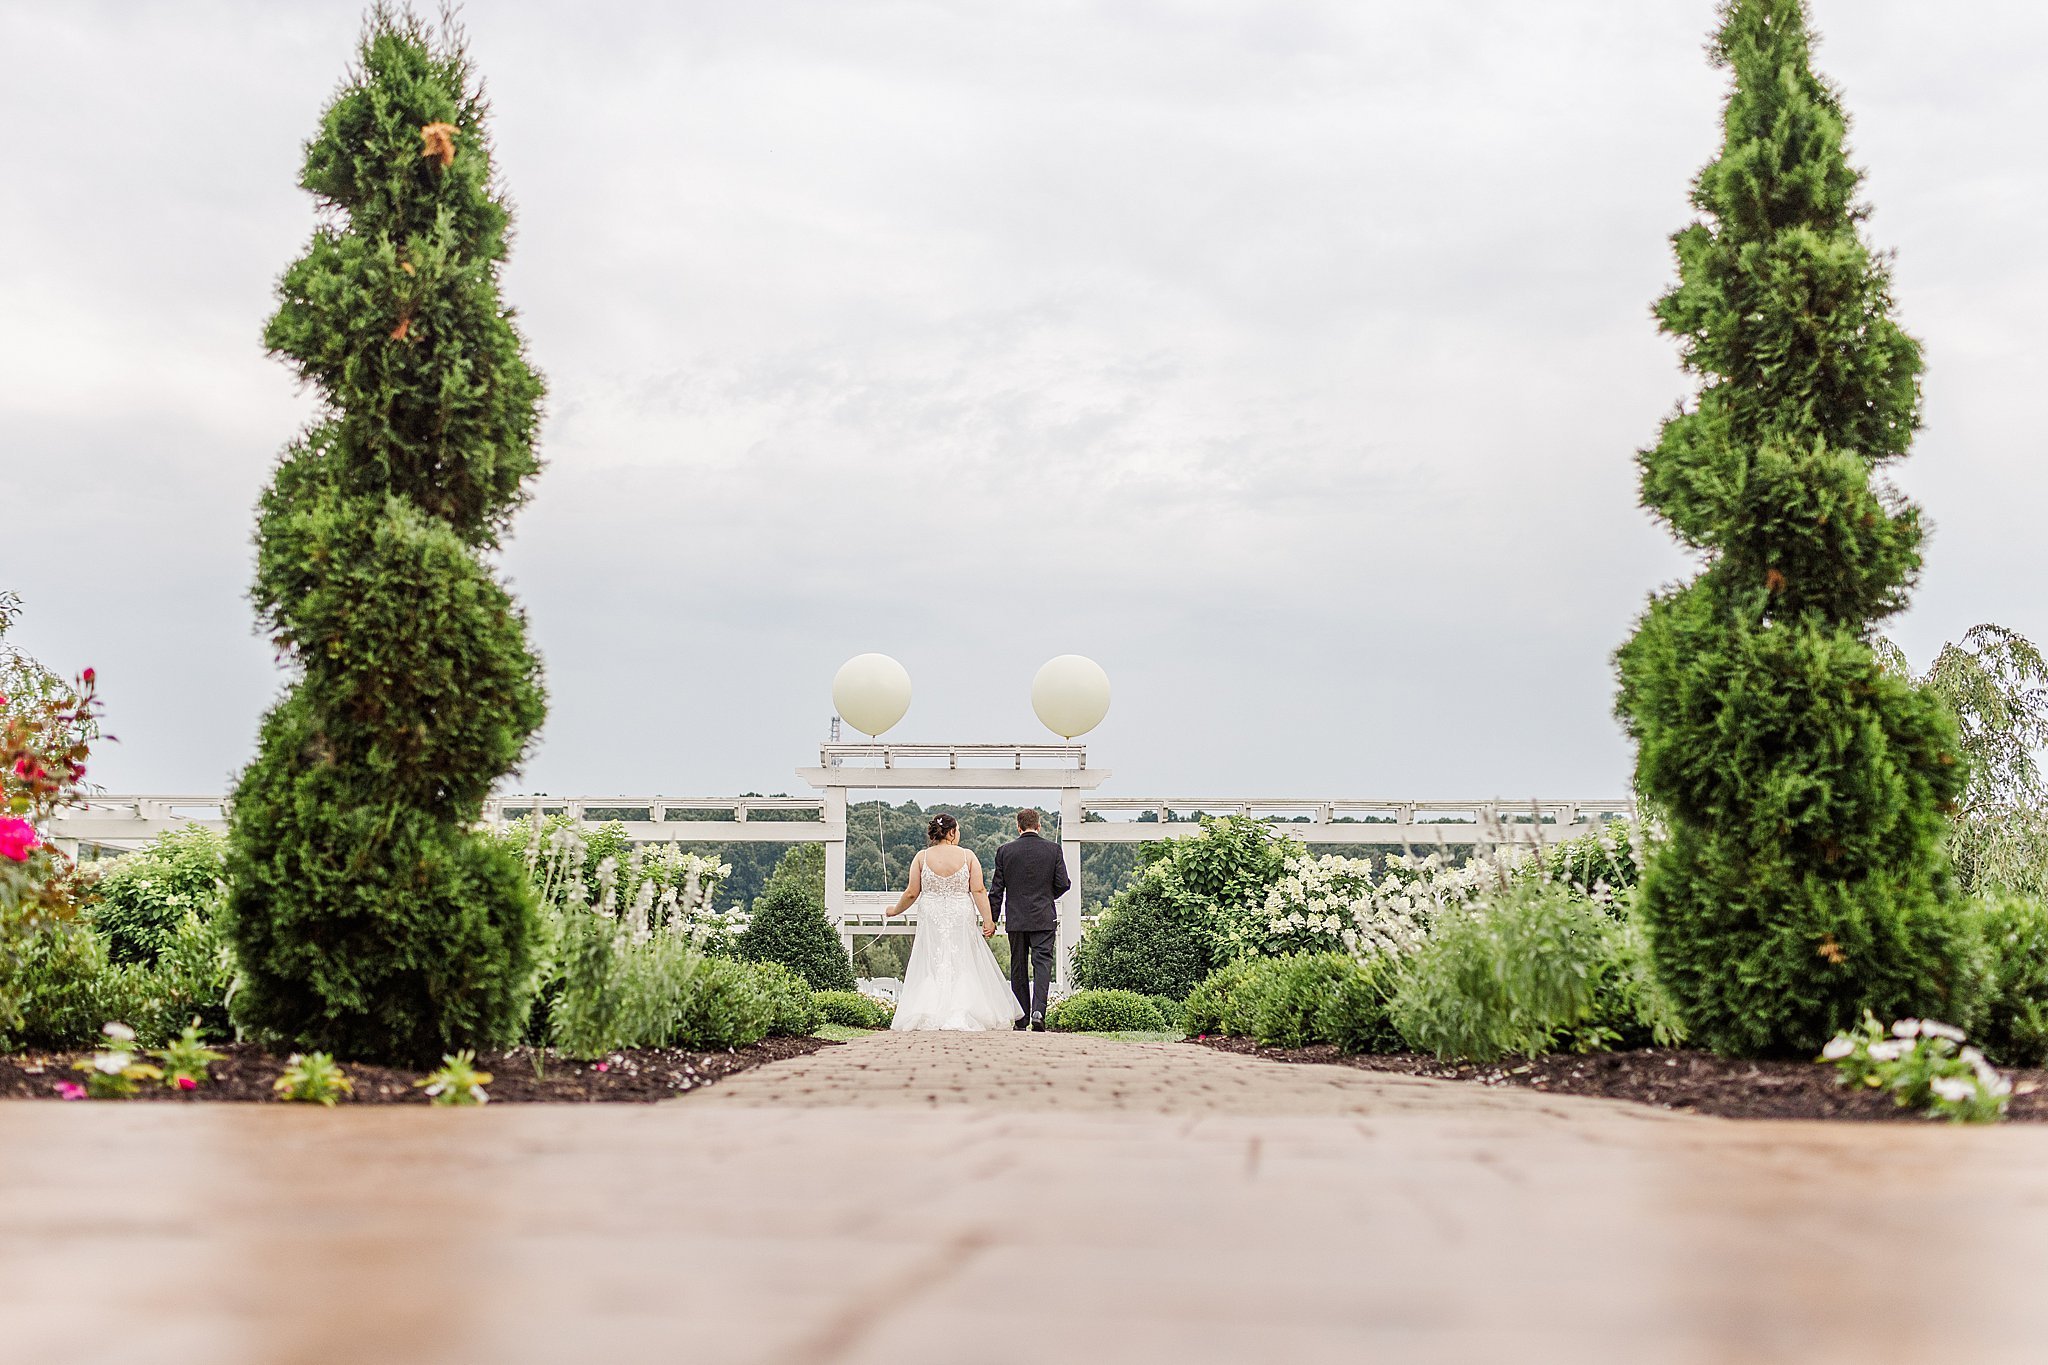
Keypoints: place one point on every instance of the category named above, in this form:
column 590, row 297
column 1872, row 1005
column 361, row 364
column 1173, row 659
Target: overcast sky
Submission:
column 1287, row 358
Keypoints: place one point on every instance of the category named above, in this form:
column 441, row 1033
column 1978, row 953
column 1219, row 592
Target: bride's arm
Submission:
column 910, row 894
column 979, row 891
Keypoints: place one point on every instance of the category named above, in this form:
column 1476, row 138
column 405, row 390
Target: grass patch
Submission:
column 840, row 1033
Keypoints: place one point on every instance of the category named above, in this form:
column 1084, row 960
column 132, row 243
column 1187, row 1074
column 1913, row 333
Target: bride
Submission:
column 952, row 981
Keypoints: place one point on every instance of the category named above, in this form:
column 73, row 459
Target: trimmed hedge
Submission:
column 1298, row 1001
column 1106, row 1012
column 851, row 1009
column 793, row 1010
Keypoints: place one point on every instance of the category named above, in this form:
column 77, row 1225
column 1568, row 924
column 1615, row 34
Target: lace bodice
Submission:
column 954, row 883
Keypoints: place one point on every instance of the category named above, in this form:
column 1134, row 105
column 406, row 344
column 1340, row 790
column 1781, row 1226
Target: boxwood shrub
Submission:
column 1106, row 1012
column 724, row 1006
column 2013, row 1027
column 1209, row 1003
column 851, row 1009
column 792, row 1008
column 1301, row 1000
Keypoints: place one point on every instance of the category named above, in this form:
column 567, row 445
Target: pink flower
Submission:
column 17, row 839
column 70, row 1090
column 602, row 1066
column 187, row 1083
column 88, row 675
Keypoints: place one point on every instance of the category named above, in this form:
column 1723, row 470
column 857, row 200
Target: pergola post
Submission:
column 1069, row 904
column 834, row 815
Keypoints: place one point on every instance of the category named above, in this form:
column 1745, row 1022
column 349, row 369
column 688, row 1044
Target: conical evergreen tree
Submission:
column 1803, row 878
column 789, row 924
column 367, row 917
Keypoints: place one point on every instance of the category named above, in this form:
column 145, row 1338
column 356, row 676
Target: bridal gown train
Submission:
column 952, row 981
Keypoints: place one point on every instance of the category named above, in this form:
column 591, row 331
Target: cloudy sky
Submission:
column 1288, row 358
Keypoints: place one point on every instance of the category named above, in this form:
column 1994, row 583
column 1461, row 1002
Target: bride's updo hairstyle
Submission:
column 942, row 825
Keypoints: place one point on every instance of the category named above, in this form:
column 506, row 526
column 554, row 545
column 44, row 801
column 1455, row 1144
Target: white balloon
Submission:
column 1071, row 695
column 871, row 692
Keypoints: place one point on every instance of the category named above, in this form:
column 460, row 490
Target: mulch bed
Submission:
column 522, row 1075
column 1669, row 1078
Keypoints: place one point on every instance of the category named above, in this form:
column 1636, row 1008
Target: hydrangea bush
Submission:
column 1330, row 904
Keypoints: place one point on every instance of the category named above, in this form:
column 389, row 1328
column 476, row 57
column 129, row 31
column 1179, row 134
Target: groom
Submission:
column 1030, row 877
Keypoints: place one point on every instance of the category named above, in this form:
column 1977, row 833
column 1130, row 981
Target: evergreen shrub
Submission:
column 141, row 897
column 1110, row 1011
column 1241, row 1009
column 1299, row 1001
column 68, row 985
column 1209, row 1003
column 789, row 924
column 1535, row 967
column 369, row 919
column 65, row 987
column 1169, row 1009
column 793, row 1010
column 1145, row 942
column 2013, row 1026
column 1801, row 880
column 1356, row 1013
column 851, row 1009
column 1288, row 1002
column 724, row 1006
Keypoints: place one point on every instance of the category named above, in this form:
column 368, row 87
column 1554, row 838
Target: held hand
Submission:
column 988, row 928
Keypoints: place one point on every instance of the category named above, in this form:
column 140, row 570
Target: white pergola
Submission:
column 1056, row 770
column 1011, row 768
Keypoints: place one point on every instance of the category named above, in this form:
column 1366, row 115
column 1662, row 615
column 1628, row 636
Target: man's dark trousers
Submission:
column 1031, row 962
column 1030, row 876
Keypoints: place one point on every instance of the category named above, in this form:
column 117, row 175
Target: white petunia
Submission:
column 1839, row 1046
column 1906, row 1028
column 1954, row 1089
column 118, row 1032
column 1930, row 1029
column 110, row 1063
column 1890, row 1050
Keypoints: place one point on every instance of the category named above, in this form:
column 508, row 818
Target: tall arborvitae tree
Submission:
column 367, row 916
column 1802, row 879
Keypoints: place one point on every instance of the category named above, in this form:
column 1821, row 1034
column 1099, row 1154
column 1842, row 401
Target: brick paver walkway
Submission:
column 1000, row 1199
column 1056, row 1073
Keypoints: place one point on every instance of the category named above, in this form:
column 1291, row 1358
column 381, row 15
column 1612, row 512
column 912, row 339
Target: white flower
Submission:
column 1890, row 1050
column 1839, row 1046
column 1930, row 1029
column 110, row 1063
column 1954, row 1089
column 119, row 1032
column 1906, row 1028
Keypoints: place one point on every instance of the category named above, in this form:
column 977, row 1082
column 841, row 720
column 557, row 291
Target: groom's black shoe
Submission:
column 1020, row 1026
column 1038, row 1023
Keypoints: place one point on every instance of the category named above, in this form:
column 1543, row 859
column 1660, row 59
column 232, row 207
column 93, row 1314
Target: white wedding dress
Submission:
column 952, row 981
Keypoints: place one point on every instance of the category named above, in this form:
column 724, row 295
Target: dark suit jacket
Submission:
column 1030, row 877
